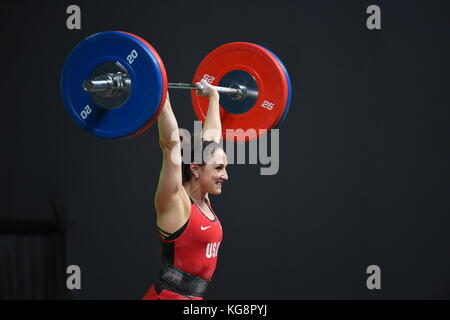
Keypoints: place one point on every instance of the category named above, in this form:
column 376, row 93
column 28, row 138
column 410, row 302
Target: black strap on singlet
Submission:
column 176, row 280
column 171, row 236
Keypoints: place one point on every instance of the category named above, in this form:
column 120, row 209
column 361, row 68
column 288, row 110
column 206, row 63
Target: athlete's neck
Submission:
column 194, row 192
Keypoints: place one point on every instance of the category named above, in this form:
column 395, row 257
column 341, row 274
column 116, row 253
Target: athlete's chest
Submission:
column 204, row 229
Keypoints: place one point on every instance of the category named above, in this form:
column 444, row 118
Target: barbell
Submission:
column 114, row 85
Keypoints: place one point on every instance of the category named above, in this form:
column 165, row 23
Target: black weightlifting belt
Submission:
column 178, row 281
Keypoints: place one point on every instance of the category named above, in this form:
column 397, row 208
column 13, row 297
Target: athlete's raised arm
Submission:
column 170, row 179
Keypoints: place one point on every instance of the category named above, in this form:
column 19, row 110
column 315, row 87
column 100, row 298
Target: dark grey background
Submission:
column 363, row 179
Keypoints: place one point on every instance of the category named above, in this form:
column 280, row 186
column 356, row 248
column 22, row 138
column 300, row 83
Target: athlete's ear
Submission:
column 195, row 169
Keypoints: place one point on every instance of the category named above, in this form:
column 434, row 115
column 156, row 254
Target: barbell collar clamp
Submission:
column 108, row 85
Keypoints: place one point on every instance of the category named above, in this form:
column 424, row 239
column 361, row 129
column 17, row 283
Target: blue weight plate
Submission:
column 288, row 79
column 144, row 68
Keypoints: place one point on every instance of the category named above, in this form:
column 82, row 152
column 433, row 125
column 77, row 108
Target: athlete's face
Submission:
column 214, row 173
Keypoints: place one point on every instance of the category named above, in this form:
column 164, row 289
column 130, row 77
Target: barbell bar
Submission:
column 112, row 84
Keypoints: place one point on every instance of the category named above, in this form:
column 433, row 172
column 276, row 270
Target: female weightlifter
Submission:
column 190, row 231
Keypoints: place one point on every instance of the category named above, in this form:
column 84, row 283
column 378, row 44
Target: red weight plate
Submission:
column 163, row 97
column 270, row 78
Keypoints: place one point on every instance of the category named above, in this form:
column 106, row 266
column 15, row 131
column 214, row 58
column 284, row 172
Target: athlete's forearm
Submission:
column 212, row 128
column 168, row 126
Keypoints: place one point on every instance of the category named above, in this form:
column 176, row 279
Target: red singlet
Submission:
column 193, row 251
